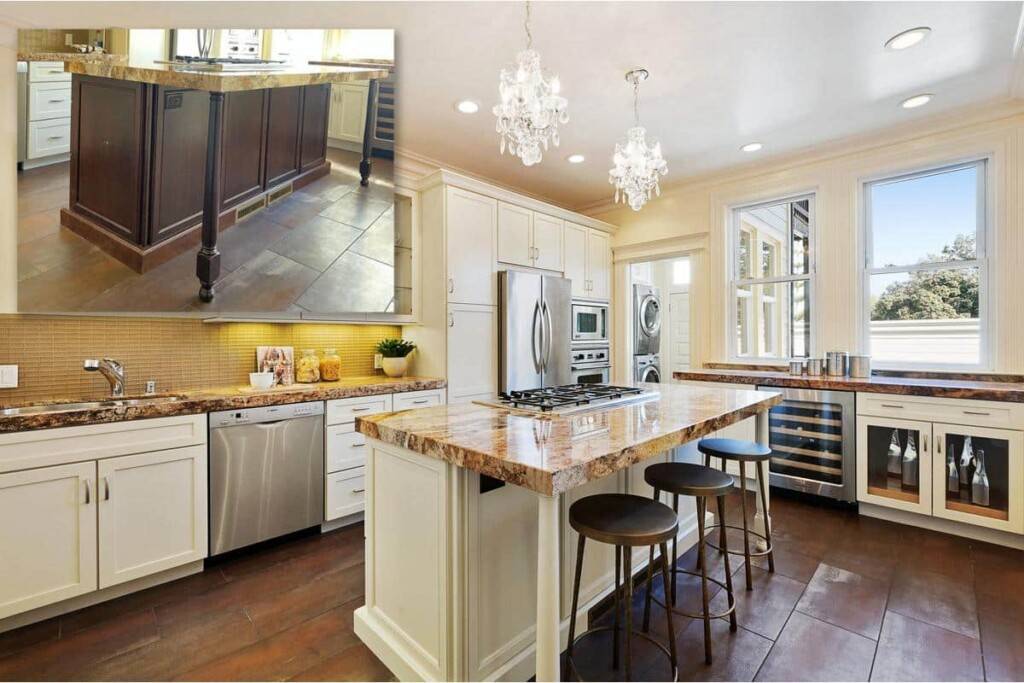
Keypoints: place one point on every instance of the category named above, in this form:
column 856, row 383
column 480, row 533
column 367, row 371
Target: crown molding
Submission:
column 1017, row 77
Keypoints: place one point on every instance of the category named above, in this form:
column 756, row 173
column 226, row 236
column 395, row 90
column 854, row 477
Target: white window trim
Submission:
column 732, row 246
column 983, row 262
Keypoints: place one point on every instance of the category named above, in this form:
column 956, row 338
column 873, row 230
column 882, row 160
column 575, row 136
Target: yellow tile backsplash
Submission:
column 179, row 354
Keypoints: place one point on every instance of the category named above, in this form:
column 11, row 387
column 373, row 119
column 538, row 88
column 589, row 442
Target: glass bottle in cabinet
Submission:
column 910, row 465
column 966, row 458
column 979, row 482
column 952, row 474
column 895, row 459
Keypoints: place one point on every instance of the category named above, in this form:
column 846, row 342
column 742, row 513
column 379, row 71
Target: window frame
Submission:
column 982, row 261
column 810, row 277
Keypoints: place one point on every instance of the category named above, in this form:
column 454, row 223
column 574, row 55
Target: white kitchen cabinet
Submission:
column 547, row 242
column 48, row 536
column 599, row 266
column 419, row 399
column 49, row 100
column 515, row 235
column 346, row 493
column 472, row 357
column 346, row 448
column 881, row 445
column 347, row 120
column 49, row 137
column 587, row 262
column 471, row 245
column 346, row 410
column 152, row 513
column 576, row 258
column 47, row 71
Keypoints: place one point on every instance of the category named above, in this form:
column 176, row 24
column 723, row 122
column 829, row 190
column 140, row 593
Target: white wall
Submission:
column 835, row 175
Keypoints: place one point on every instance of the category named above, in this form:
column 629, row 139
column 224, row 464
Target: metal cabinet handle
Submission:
column 924, row 442
column 57, row 100
column 451, row 286
column 938, row 446
column 421, row 401
column 106, row 488
column 451, row 320
column 357, row 445
column 977, row 412
column 88, row 497
column 55, row 137
column 358, row 490
column 359, row 410
column 892, row 405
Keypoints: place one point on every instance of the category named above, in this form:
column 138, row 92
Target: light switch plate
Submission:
column 378, row 361
column 8, row 376
column 69, row 38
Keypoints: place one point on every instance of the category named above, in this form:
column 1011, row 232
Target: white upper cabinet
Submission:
column 576, row 258
column 547, row 242
column 347, row 119
column 599, row 265
column 588, row 262
column 515, row 235
column 471, row 246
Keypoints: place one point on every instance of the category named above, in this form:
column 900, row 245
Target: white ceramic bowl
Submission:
column 261, row 380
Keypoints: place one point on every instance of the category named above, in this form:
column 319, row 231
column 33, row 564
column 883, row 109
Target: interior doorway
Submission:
column 660, row 314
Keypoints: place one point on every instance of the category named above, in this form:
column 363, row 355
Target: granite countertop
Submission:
column 61, row 56
column 554, row 453
column 225, row 81
column 209, row 400
column 980, row 389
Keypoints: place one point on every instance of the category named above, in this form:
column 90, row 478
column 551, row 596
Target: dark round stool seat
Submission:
column 688, row 479
column 734, row 449
column 624, row 520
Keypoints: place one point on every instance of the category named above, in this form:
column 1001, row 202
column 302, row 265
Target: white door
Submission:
column 679, row 331
column 547, row 242
column 515, row 225
column 47, row 536
column 894, row 463
column 471, row 247
column 351, row 115
column 472, row 352
column 598, row 265
column 575, row 240
column 152, row 512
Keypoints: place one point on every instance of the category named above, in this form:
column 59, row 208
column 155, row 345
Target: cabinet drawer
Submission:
column 46, row 138
column 49, row 101
column 348, row 409
column 953, row 410
column 346, row 493
column 47, row 71
column 346, row 448
column 419, row 399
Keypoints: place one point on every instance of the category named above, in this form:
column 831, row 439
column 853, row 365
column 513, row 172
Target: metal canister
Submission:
column 836, row 363
column 814, row 367
column 860, row 366
column 796, row 367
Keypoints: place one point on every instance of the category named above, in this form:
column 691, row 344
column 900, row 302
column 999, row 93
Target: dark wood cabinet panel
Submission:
column 284, row 126
column 108, row 159
column 316, row 102
column 179, row 159
column 242, row 140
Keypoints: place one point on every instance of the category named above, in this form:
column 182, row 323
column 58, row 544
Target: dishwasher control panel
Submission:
column 244, row 416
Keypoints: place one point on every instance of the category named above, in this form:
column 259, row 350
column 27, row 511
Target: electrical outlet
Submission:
column 8, row 376
column 378, row 361
column 69, row 39
column 151, row 386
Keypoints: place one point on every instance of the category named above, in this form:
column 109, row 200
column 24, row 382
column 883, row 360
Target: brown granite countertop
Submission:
column 554, row 453
column 225, row 81
column 58, row 56
column 210, row 400
column 878, row 384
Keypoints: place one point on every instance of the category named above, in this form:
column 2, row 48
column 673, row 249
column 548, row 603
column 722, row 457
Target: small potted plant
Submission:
column 396, row 356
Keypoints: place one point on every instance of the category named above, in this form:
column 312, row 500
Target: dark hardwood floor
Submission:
column 852, row 599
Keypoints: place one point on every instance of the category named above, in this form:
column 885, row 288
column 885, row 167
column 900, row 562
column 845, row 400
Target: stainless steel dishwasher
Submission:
column 266, row 473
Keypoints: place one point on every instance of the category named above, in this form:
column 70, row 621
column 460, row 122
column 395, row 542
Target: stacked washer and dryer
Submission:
column 646, row 333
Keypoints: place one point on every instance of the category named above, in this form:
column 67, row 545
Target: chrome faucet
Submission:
column 111, row 369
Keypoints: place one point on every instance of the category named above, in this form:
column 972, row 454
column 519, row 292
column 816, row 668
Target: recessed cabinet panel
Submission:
column 575, row 241
column 598, row 265
column 515, row 226
column 472, row 361
column 894, row 463
column 283, row 129
column 547, row 242
column 471, row 245
column 315, row 109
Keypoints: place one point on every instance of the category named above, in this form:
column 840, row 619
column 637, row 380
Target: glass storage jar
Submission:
column 307, row 368
column 330, row 366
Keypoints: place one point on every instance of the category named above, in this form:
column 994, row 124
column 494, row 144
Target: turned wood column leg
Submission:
column 208, row 258
column 762, row 517
column 548, row 598
column 366, row 163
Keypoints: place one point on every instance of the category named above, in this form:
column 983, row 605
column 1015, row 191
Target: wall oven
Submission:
column 811, row 434
column 589, row 322
column 590, row 365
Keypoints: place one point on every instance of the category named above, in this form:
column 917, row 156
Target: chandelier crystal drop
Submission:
column 638, row 165
column 531, row 107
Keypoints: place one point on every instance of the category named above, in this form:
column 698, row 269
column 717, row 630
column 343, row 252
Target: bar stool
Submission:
column 742, row 452
column 701, row 482
column 626, row 522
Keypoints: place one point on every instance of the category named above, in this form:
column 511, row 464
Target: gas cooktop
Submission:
column 225, row 63
column 569, row 398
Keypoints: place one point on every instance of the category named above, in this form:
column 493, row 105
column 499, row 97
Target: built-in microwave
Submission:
column 589, row 322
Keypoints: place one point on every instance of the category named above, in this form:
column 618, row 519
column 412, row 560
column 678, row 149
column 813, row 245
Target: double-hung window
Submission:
column 771, row 279
column 926, row 268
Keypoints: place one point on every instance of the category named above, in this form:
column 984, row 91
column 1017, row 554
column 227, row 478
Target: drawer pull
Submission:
column 421, row 401
column 357, row 445
column 88, row 497
column 358, row 490
column 56, row 71
column 977, row 412
column 891, row 405
column 106, row 488
column 55, row 137
column 359, row 410
column 57, row 101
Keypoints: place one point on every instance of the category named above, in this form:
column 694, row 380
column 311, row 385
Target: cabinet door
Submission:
column 49, row 101
column 345, row 493
column 575, row 240
column 348, row 113
column 283, row 129
column 472, row 351
column 547, row 242
column 598, row 265
column 978, row 476
column 315, row 108
column 471, row 251
column 894, row 463
column 515, row 226
column 242, row 139
column 48, row 537
column 152, row 512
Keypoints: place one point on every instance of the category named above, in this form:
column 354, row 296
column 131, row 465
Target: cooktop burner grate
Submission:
column 567, row 396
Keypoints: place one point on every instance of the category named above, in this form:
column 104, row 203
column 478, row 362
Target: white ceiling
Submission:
column 788, row 74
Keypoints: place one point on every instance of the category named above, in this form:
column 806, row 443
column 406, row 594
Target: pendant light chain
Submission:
column 526, row 25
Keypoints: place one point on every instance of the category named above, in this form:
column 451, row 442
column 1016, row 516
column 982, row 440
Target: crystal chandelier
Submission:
column 637, row 165
column 530, row 108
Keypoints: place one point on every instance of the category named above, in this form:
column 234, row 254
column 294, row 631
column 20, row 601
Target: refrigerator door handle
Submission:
column 546, row 337
column 534, row 351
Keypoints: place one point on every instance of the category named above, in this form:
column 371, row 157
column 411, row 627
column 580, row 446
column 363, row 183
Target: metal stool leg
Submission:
column 668, row 612
column 575, row 603
column 701, row 554
column 615, row 617
column 767, row 523
column 650, row 581
column 627, row 566
column 675, row 551
column 746, row 538
column 728, row 571
column 722, row 533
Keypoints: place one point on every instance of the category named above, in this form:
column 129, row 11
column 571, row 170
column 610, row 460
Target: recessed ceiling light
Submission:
column 751, row 147
column 908, row 38
column 575, row 158
column 467, row 106
column 916, row 101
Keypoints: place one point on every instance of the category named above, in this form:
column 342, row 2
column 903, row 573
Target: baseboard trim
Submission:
column 945, row 526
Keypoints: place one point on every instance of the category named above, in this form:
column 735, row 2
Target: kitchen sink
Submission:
column 87, row 405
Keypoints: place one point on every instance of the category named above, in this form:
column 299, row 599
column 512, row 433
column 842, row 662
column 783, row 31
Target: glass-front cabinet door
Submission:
column 978, row 476
column 894, row 463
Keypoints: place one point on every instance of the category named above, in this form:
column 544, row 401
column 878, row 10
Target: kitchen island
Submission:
column 467, row 537
column 163, row 157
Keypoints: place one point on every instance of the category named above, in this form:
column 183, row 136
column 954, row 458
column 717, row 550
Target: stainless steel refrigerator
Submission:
column 535, row 330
